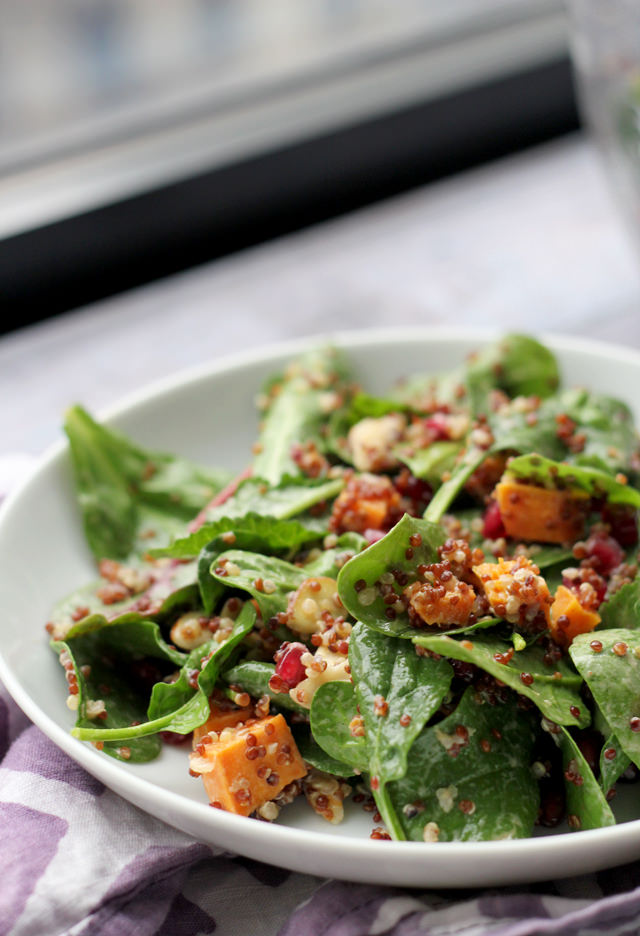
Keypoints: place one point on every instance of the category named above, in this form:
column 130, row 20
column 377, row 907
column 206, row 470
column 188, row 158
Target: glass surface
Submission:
column 606, row 52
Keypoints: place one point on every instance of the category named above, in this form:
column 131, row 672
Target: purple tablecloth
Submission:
column 78, row 860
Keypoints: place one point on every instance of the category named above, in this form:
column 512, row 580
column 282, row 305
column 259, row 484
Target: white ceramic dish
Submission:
column 209, row 415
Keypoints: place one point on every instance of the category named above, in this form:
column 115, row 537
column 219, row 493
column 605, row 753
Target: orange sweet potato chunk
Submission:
column 569, row 618
column 239, row 780
column 541, row 515
column 222, row 716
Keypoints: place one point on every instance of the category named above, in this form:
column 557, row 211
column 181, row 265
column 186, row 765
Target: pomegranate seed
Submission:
column 623, row 524
column 606, row 550
column 373, row 536
column 437, row 427
column 288, row 665
column 492, row 525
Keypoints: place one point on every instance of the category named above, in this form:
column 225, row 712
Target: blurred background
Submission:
column 138, row 137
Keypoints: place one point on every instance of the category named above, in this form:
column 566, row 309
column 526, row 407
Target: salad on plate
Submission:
column 426, row 602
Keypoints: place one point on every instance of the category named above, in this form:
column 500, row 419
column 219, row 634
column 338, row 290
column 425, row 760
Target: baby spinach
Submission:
column 622, row 609
column 292, row 497
column 468, row 776
column 613, row 763
column 613, row 676
column 297, row 409
column 270, row 534
column 116, row 480
column 557, row 696
column 172, row 586
column 593, row 481
column 331, row 560
column 393, row 553
column 253, row 677
column 128, row 636
column 397, row 692
column 246, row 571
column 587, row 807
column 314, row 755
column 182, row 705
column 517, row 364
column 429, row 463
column 333, row 708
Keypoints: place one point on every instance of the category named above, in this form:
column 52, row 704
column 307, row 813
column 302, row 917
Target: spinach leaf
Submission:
column 427, row 393
column 128, row 636
column 611, row 439
column 297, row 407
column 558, row 474
column 517, row 364
column 468, row 777
column 429, row 463
column 397, row 692
column 172, row 586
column 587, row 807
column 313, row 754
column 253, row 676
column 290, row 498
column 468, row 462
column 332, row 560
column 558, row 698
column 122, row 488
column 613, row 676
column 333, row 708
column 393, row 553
column 101, row 679
column 622, row 609
column 613, row 763
column 182, row 705
column 270, row 534
column 246, row 570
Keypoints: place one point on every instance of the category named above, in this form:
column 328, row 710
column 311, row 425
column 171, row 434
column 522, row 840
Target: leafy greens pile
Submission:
column 444, row 716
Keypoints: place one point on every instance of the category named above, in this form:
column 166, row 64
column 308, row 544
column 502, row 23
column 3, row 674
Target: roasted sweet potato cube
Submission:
column 244, row 767
column 569, row 618
column 222, row 716
column 541, row 515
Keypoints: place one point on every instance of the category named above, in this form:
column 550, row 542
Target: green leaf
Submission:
column 556, row 474
column 586, row 803
column 116, row 479
column 313, row 754
column 622, row 609
column 390, row 553
column 429, row 463
column 298, row 411
column 555, row 697
column 253, row 676
column 333, row 707
column 613, row 763
column 444, row 497
column 332, row 560
column 388, row 670
column 102, row 678
column 243, row 569
column 517, row 364
column 614, row 681
column 270, row 534
column 410, row 685
column 178, row 706
column 290, row 498
column 128, row 636
column 173, row 586
column 470, row 776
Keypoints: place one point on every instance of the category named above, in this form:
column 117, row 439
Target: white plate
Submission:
column 209, row 415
